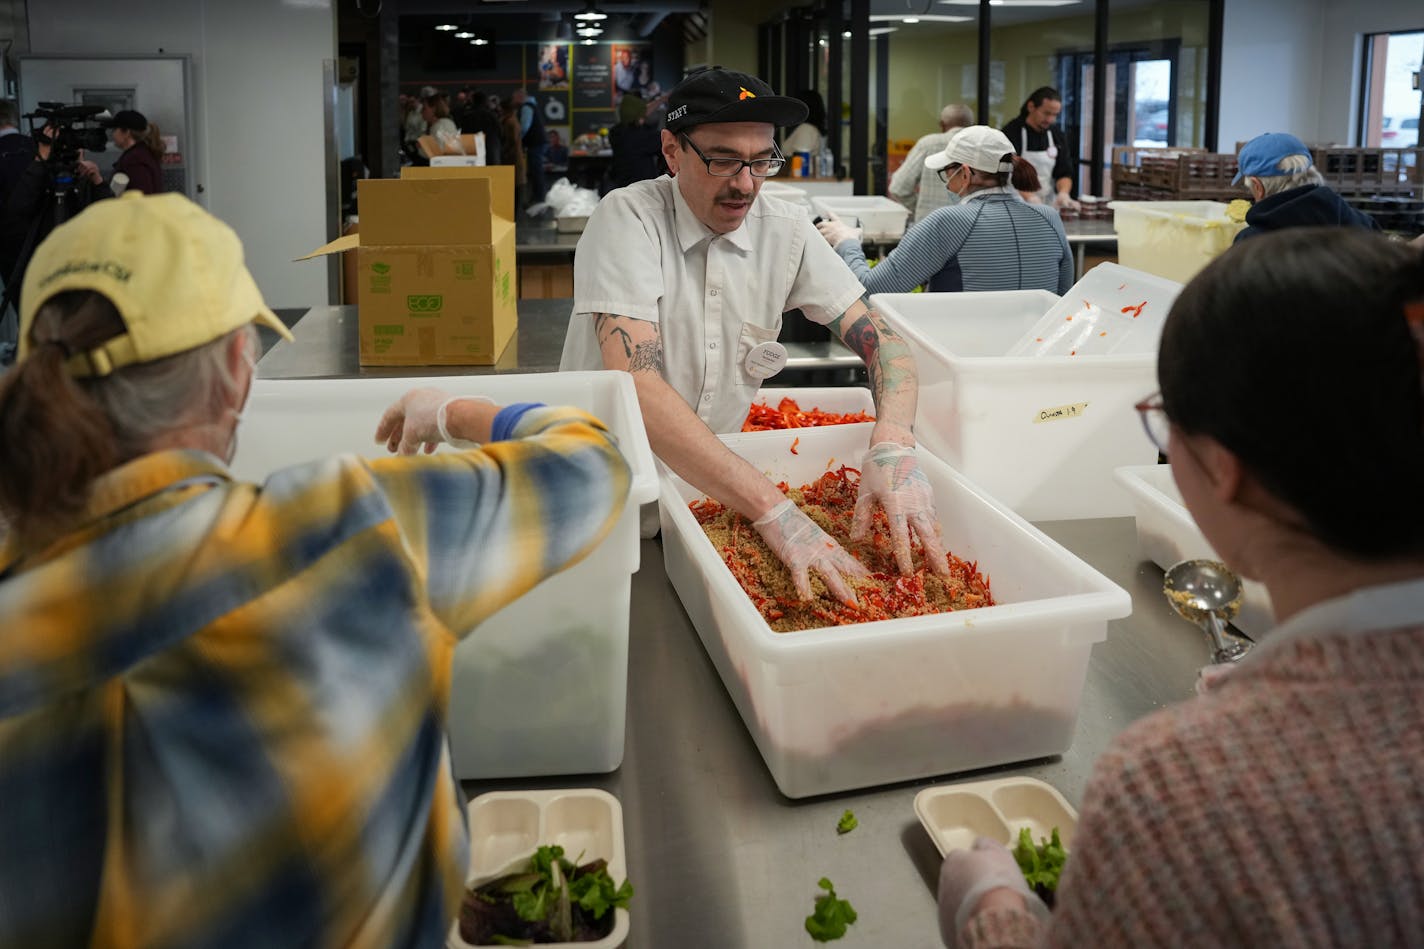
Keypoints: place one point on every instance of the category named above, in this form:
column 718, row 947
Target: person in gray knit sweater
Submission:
column 1284, row 805
column 991, row 240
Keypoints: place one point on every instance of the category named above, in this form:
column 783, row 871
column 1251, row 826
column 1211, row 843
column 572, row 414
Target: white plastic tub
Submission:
column 839, row 399
column 1173, row 239
column 1040, row 433
column 856, row 706
column 541, row 686
column 1166, row 534
column 878, row 217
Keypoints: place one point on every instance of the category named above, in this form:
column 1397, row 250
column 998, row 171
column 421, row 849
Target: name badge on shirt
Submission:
column 1052, row 150
column 765, row 360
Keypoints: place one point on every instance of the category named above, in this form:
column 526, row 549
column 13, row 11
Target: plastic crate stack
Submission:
column 1173, row 174
column 1385, row 183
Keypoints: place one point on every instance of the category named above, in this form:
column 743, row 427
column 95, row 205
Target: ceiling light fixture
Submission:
column 591, row 12
column 464, row 35
column 1012, row 3
column 479, row 41
column 589, row 42
column 847, row 35
column 880, row 30
column 910, row 20
column 919, row 18
column 447, row 27
column 590, row 30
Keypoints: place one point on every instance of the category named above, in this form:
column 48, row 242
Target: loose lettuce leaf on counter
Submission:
column 832, row 915
column 847, row 823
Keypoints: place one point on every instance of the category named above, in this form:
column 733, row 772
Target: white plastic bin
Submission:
column 838, row 399
column 1040, row 433
column 789, row 193
column 541, row 686
column 879, row 218
column 856, row 706
column 1173, row 239
column 1166, row 534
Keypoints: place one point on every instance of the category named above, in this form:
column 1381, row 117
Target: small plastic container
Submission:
column 506, row 827
column 957, row 814
column 856, row 706
column 881, row 219
column 567, row 638
column 1166, row 534
column 1172, row 239
column 573, row 224
column 1040, row 433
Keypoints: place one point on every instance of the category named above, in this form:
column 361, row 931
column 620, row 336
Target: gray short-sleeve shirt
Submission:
column 715, row 297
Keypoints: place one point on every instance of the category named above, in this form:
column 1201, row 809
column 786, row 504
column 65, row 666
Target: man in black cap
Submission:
column 682, row 282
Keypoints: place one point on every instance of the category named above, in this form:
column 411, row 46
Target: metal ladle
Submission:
column 1207, row 593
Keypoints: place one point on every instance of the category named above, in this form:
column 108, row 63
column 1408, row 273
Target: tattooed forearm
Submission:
column 647, row 357
column 604, row 330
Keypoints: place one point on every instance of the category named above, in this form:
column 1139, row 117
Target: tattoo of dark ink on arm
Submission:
column 647, row 357
column 600, row 324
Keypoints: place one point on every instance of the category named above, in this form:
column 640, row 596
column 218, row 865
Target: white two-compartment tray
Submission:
column 956, row 814
column 506, row 827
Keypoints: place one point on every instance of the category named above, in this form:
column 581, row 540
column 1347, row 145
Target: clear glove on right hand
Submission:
column 802, row 546
column 1064, row 200
column 966, row 876
column 890, row 475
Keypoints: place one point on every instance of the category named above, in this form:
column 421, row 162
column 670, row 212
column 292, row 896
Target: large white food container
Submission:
column 1167, row 534
column 879, row 218
column 788, row 193
column 1040, row 433
column 855, row 706
column 541, row 686
column 1173, row 239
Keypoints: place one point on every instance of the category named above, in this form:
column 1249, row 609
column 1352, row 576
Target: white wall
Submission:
column 1294, row 65
column 258, row 112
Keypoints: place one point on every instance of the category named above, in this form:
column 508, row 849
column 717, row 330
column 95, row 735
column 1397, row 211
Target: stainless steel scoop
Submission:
column 1207, row 593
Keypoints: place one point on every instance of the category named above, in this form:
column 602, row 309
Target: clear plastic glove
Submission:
column 837, row 231
column 802, row 546
column 967, row 875
column 890, row 476
column 418, row 419
column 1062, row 199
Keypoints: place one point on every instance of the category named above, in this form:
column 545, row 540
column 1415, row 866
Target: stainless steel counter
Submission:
column 719, row 858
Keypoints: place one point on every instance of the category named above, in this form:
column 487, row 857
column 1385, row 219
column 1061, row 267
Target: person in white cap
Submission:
column 222, row 703
column 682, row 282
column 991, row 240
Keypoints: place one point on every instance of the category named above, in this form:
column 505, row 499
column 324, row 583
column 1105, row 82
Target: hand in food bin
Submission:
column 891, row 477
column 802, row 546
column 418, row 419
column 836, row 231
column 967, row 876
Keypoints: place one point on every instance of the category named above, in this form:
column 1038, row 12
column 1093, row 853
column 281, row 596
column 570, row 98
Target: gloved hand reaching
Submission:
column 890, row 476
column 966, row 876
column 1062, row 199
column 802, row 546
column 835, row 230
column 418, row 418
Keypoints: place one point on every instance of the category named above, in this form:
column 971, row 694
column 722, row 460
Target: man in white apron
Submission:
column 1036, row 139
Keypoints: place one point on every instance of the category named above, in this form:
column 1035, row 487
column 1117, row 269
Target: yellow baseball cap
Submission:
column 173, row 271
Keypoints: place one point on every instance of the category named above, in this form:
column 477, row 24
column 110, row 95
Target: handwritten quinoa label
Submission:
column 1060, row 412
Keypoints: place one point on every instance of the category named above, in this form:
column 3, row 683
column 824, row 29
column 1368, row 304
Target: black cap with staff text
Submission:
column 723, row 95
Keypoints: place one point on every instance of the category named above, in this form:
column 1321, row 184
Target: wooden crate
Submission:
column 1366, row 171
column 1174, row 174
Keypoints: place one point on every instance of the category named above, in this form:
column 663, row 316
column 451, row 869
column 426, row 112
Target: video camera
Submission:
column 72, row 128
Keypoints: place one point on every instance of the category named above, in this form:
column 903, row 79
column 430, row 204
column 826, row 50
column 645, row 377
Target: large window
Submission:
column 1389, row 115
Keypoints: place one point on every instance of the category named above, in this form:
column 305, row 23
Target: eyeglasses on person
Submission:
column 731, row 167
column 1155, row 422
column 948, row 170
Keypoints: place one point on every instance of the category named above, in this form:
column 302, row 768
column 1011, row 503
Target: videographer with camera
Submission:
column 55, row 186
column 142, row 148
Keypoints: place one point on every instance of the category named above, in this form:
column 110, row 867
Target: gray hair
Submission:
column 1298, row 171
column 191, row 389
column 955, row 117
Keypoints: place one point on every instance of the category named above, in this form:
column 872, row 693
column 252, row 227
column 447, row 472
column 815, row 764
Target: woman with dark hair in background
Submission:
column 1282, row 806
column 810, row 135
column 142, row 150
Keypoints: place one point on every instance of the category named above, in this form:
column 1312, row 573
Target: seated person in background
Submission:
column 142, row 150
column 558, row 152
column 918, row 187
column 222, row 704
column 991, row 240
column 637, row 146
column 1288, row 191
column 1255, row 814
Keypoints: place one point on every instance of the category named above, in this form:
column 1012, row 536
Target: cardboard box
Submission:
column 435, row 266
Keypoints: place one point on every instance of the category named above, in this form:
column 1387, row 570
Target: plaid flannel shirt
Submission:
column 222, row 705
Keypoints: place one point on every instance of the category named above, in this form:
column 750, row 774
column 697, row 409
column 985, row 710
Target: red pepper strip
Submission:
column 1136, row 311
column 793, row 446
column 787, row 414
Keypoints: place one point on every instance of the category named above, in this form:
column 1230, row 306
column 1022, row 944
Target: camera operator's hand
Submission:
column 91, row 171
column 43, row 141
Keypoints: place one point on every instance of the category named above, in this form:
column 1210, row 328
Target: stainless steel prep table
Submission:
column 718, row 857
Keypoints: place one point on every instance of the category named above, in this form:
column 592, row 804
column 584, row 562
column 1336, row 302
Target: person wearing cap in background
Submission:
column 1045, row 147
column 142, row 149
column 682, row 282
column 991, row 240
column 918, row 187
column 1287, row 190
column 222, row 704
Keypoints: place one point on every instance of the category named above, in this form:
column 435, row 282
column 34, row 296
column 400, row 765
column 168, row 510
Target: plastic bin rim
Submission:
column 1093, row 361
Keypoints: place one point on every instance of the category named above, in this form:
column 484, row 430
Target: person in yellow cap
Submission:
column 222, row 704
